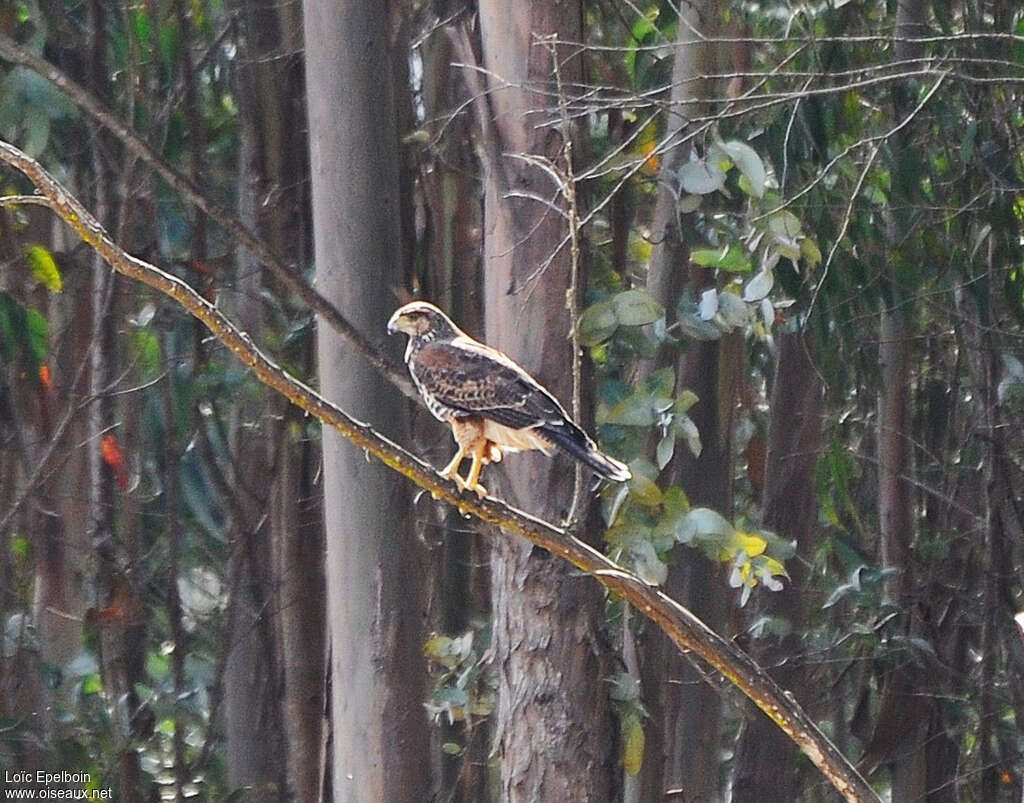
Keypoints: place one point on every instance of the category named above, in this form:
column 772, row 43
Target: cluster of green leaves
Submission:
column 622, row 325
column 463, row 688
column 24, row 335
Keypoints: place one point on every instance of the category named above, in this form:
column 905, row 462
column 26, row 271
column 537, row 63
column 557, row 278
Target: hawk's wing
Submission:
column 471, row 378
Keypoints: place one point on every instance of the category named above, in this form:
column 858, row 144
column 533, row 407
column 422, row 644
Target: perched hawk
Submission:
column 491, row 403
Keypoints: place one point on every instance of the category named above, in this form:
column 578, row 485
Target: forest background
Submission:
column 769, row 252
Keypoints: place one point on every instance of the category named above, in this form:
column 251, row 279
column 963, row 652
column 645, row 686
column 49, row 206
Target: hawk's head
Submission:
column 422, row 320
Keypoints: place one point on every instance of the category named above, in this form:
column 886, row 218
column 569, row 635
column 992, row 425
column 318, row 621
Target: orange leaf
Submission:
column 44, row 376
column 113, row 457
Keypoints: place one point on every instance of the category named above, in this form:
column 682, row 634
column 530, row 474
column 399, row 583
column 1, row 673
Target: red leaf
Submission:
column 113, row 457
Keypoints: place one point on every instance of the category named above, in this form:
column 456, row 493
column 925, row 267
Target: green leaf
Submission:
column 731, row 258
column 597, row 323
column 700, row 522
column 36, row 125
column 666, row 448
column 633, row 411
column 644, row 490
column 701, row 178
column 675, row 501
column 168, row 44
column 758, row 287
column 685, row 400
column 661, row 382
column 685, row 426
column 733, row 312
column 749, row 164
column 632, row 744
column 91, row 684
column 810, row 253
column 148, row 352
column 38, row 335
column 19, row 546
column 648, row 565
column 784, row 225
column 636, row 308
column 143, row 27
column 40, row 261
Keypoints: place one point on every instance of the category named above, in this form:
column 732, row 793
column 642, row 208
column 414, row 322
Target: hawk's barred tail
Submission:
column 574, row 441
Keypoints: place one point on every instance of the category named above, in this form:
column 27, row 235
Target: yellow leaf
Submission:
column 44, row 269
column 810, row 253
column 750, row 543
column 437, row 648
column 775, row 567
column 632, row 745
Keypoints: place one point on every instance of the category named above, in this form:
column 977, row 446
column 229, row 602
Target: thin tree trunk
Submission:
column 460, row 593
column 683, row 748
column 766, row 762
column 895, row 456
column 380, row 741
column 274, row 200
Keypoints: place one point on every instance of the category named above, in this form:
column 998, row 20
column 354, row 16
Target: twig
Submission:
column 10, row 50
column 567, row 186
column 686, row 631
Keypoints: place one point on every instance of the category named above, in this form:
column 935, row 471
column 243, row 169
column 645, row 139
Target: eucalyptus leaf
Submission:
column 636, row 308
column 758, row 287
column 733, row 312
column 597, row 323
column 748, row 163
column 648, row 565
column 701, row 178
column 702, row 521
column 666, row 447
column 731, row 258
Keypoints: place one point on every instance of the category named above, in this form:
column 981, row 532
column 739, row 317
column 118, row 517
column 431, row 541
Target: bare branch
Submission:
column 288, row 276
column 685, row 630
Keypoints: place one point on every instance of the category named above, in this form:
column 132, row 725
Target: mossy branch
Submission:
column 685, row 630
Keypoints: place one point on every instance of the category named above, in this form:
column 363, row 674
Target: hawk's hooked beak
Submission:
column 393, row 323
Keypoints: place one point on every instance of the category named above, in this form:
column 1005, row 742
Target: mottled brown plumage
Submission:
column 491, row 403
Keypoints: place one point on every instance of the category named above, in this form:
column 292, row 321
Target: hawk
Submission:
column 491, row 403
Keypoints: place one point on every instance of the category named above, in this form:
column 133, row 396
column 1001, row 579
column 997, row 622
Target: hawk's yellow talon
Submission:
column 452, row 468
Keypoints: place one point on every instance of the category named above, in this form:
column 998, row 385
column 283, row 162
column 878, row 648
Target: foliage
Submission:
column 788, row 194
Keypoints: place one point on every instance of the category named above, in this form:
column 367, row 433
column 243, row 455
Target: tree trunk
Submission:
column 683, row 750
column 553, row 721
column 766, row 759
column 450, row 276
column 379, row 727
column 895, row 454
column 274, row 200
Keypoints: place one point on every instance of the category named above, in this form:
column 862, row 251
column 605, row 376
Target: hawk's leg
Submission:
column 472, row 480
column 451, row 471
column 469, row 434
